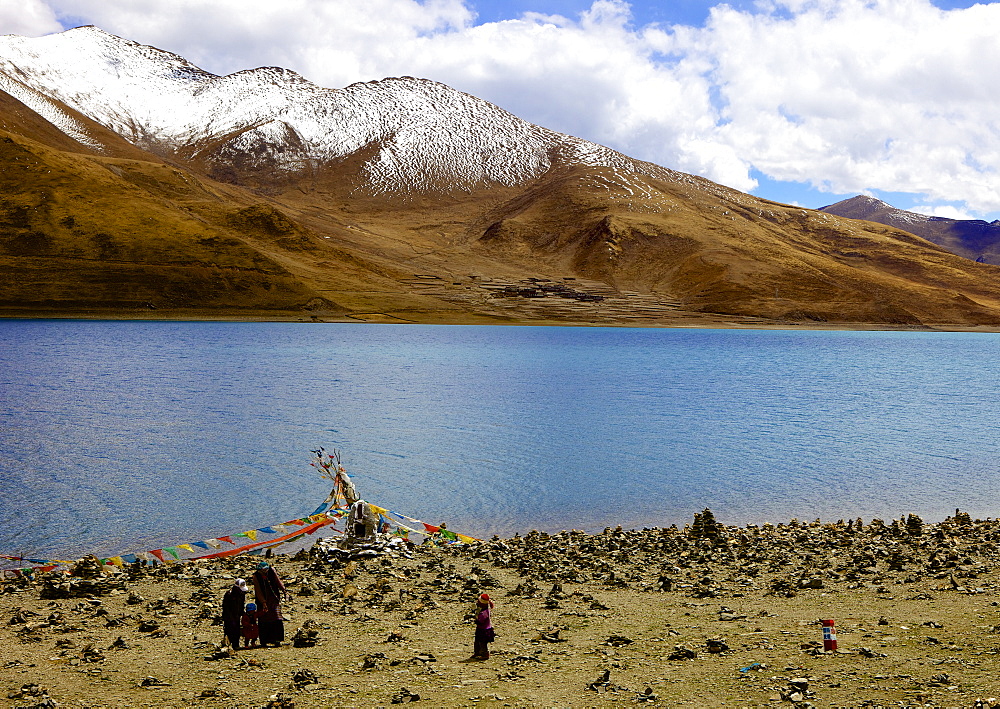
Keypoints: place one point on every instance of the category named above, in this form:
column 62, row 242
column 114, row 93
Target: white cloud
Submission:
column 31, row 18
column 890, row 94
column 849, row 95
column 946, row 211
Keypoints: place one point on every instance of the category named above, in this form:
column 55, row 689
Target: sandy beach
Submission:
column 704, row 616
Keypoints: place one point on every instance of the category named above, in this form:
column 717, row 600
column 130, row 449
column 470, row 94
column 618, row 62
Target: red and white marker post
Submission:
column 829, row 636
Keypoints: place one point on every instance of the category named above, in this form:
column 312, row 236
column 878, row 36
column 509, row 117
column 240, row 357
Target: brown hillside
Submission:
column 95, row 234
column 125, row 233
column 716, row 250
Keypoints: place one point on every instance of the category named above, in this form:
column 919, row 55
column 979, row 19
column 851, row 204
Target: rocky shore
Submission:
column 708, row 615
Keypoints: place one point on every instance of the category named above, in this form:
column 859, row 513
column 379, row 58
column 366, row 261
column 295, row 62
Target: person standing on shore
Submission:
column 251, row 631
column 484, row 628
column 268, row 591
column 232, row 612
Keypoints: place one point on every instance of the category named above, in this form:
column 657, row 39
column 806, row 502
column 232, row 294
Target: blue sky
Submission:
column 799, row 101
column 695, row 13
column 684, row 12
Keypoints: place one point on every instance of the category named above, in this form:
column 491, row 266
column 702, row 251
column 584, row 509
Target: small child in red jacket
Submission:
column 249, row 626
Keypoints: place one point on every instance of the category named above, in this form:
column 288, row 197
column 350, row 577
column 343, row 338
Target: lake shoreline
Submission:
column 683, row 320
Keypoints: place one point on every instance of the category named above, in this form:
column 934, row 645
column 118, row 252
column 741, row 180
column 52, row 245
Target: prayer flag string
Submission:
column 328, row 512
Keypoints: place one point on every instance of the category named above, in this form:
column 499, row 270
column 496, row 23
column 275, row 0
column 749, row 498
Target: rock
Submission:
column 618, row 641
column 22, row 615
column 716, row 645
column 220, row 652
column 799, row 684
column 728, row 614
column 550, row 636
column 601, row 683
column 280, row 701
column 91, row 654
column 682, row 652
column 214, row 694
column 152, row 682
column 404, row 696
column 798, row 692
column 868, row 652
column 303, row 677
column 647, row 696
column 306, row 636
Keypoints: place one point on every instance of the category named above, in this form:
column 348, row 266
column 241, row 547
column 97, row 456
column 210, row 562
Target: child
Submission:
column 249, row 622
column 484, row 628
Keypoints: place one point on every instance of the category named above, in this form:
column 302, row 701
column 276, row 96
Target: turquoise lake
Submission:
column 125, row 436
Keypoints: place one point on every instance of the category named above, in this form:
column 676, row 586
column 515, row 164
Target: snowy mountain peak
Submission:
column 872, row 209
column 418, row 135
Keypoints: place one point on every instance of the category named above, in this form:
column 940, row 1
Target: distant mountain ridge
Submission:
column 135, row 184
column 975, row 239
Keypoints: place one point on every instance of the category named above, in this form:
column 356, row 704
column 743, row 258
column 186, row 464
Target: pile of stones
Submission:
column 87, row 578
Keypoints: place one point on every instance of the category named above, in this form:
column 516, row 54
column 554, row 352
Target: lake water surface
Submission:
column 126, row 436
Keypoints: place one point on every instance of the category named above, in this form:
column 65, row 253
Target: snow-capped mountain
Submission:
column 112, row 201
column 417, row 134
column 972, row 238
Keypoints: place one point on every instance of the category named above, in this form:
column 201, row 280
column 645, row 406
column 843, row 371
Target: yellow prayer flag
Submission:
column 117, row 561
column 252, row 533
column 186, row 547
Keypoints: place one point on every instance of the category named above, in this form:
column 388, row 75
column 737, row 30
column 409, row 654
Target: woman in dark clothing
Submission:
column 268, row 591
column 484, row 628
column 232, row 612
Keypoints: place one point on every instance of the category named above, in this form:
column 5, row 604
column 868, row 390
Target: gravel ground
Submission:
column 703, row 616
